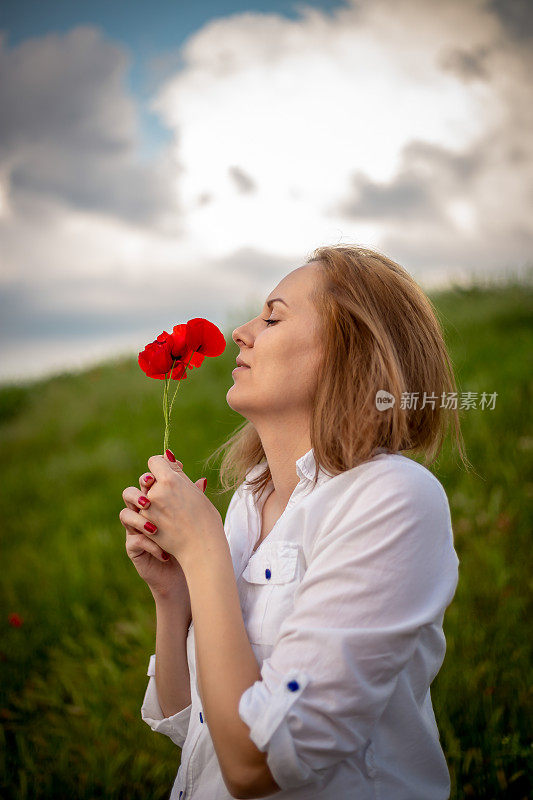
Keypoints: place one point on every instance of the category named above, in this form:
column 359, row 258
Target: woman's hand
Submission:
column 180, row 518
column 161, row 571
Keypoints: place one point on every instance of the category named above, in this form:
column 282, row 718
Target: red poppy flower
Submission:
column 203, row 338
column 181, row 350
column 168, row 356
column 156, row 358
column 15, row 620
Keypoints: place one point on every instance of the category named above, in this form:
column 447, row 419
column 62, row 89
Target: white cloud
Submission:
column 399, row 124
column 302, row 106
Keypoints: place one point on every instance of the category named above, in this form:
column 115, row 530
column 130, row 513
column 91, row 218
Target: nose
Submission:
column 236, row 336
column 244, row 334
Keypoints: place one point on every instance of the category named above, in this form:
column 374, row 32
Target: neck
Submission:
column 283, row 447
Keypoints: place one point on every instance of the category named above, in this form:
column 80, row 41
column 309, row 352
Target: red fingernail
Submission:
column 205, row 484
column 150, row 526
column 148, row 478
column 165, row 556
column 143, row 500
column 170, row 455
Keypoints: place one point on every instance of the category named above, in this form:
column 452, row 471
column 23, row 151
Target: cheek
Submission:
column 288, row 357
column 311, row 362
column 301, row 370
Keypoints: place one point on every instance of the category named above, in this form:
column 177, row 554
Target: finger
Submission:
column 137, row 544
column 128, row 497
column 202, row 484
column 160, row 467
column 137, row 521
column 171, row 458
column 135, row 499
column 146, row 481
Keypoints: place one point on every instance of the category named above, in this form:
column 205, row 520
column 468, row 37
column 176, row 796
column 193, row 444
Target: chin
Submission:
column 228, row 398
column 234, row 404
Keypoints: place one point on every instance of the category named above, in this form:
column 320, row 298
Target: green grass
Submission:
column 74, row 673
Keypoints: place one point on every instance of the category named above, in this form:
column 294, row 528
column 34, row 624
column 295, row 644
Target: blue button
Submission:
column 201, row 718
column 293, row 686
column 268, row 574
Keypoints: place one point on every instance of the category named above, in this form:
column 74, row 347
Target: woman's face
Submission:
column 283, row 354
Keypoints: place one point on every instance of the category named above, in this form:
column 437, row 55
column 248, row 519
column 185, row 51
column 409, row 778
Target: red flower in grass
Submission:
column 15, row 620
column 168, row 356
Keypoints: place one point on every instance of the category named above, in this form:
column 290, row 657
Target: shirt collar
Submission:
column 305, row 467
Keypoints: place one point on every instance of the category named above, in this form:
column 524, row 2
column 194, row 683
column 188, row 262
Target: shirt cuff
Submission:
column 176, row 726
column 265, row 712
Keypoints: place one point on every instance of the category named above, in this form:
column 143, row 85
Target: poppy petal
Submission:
column 155, row 360
column 204, row 337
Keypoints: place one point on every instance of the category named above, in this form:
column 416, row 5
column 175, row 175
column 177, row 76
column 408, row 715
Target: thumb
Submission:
column 176, row 465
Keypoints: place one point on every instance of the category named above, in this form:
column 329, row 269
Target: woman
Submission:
column 296, row 643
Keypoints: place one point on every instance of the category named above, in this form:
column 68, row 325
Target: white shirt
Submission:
column 343, row 603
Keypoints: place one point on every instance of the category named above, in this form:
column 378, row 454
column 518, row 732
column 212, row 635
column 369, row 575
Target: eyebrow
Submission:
column 269, row 303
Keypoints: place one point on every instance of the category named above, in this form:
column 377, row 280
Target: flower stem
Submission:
column 178, row 386
column 165, row 413
column 167, row 410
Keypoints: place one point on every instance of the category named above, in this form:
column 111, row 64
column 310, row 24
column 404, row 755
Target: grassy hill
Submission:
column 73, row 673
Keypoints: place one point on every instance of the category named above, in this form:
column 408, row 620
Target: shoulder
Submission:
column 388, row 499
column 388, row 479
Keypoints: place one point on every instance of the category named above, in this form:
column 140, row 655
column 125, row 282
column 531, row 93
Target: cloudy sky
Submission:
column 170, row 160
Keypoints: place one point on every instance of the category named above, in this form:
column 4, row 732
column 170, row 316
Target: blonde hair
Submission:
column 380, row 331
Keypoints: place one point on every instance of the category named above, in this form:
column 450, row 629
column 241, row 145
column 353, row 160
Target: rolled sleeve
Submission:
column 381, row 567
column 264, row 711
column 176, row 726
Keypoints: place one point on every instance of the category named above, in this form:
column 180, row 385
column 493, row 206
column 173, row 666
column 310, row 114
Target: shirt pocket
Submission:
column 270, row 581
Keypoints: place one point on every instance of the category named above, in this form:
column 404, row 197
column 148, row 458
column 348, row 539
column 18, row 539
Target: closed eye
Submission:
column 271, row 321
